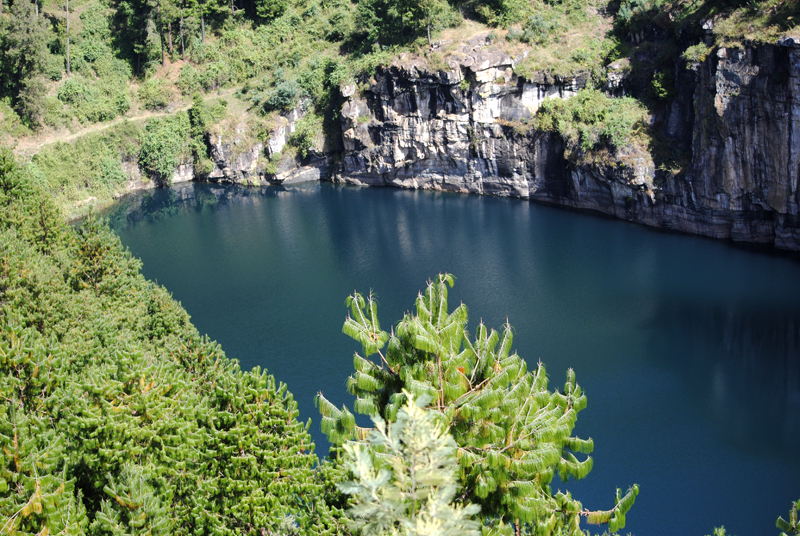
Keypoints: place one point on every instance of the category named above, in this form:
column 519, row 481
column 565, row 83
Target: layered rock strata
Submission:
column 458, row 128
column 464, row 127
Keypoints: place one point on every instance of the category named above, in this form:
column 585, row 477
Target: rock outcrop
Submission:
column 465, row 126
column 459, row 128
column 238, row 158
column 746, row 144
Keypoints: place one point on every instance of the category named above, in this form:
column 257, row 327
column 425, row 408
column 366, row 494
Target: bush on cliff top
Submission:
column 591, row 120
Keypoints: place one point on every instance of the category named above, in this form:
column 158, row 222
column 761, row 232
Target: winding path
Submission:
column 31, row 145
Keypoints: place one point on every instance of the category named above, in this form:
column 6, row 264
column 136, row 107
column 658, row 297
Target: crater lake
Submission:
column 688, row 349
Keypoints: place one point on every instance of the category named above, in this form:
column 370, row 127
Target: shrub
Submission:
column 696, row 53
column 94, row 100
column 307, row 130
column 283, row 97
column 189, row 80
column 154, row 94
column 541, row 27
column 75, row 91
column 514, row 34
column 662, row 86
column 216, row 75
column 54, row 68
column 591, row 119
column 164, row 145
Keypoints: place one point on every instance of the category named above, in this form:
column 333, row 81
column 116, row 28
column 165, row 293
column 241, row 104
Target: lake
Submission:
column 688, row 349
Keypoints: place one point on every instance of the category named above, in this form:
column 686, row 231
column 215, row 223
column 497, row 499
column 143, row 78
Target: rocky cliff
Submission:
column 238, row 158
column 465, row 127
column 458, row 128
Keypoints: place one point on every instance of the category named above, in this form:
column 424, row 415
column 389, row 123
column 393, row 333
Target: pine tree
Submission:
column 37, row 495
column 405, row 478
column 116, row 410
column 513, row 434
column 133, row 507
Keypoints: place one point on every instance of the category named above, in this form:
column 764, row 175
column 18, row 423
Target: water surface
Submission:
column 688, row 349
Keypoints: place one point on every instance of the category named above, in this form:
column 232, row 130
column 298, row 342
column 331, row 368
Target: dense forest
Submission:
column 118, row 417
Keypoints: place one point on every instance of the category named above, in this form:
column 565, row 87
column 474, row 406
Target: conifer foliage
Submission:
column 406, row 478
column 512, row 433
column 792, row 526
column 117, row 417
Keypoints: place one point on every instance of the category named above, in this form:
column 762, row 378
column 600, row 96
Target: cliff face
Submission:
column 459, row 129
column 746, row 141
column 462, row 128
column 238, row 159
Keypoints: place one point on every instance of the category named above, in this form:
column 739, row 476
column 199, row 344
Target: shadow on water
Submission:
column 163, row 203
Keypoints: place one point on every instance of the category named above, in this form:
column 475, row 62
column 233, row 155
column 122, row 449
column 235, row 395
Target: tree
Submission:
column 405, row 478
column 386, row 21
column 431, row 11
column 164, row 145
column 36, row 493
column 512, row 433
column 270, row 9
column 66, row 16
column 23, row 46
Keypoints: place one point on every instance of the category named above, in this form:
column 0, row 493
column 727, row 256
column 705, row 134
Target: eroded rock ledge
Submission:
column 457, row 129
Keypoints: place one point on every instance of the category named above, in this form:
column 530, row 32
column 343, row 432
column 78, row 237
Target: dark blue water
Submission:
column 688, row 349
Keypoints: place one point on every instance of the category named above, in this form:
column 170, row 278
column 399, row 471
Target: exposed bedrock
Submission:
column 737, row 114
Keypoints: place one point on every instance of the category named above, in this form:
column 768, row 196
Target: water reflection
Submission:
column 163, row 203
column 743, row 369
column 687, row 349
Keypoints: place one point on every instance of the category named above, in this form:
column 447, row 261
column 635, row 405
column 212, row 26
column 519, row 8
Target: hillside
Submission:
column 135, row 66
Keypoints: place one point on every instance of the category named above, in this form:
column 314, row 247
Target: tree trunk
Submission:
column 203, row 28
column 68, row 70
column 429, row 28
column 169, row 33
column 36, row 4
column 161, row 36
column 183, row 52
column 232, row 7
column 1, row 7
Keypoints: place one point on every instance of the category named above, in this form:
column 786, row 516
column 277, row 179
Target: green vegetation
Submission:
column 592, row 121
column 793, row 525
column 512, row 434
column 118, row 417
column 164, row 146
column 406, row 478
column 90, row 167
column 142, row 57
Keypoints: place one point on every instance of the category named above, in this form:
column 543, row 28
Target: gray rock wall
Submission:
column 413, row 128
column 458, row 129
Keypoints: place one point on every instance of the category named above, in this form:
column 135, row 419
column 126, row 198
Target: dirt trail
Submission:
column 31, row 145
